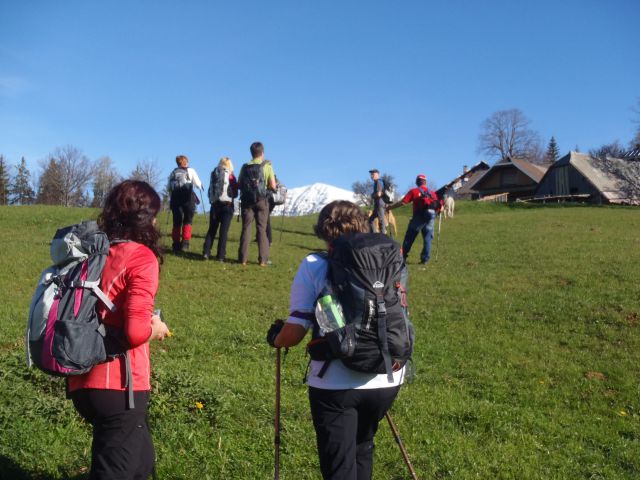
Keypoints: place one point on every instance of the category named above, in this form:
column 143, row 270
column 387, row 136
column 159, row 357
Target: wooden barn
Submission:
column 513, row 178
column 462, row 187
column 580, row 177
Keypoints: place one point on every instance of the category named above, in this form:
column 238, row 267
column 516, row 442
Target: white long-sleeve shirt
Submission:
column 192, row 176
column 309, row 281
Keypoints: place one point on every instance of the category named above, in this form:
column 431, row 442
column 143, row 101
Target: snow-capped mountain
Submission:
column 311, row 198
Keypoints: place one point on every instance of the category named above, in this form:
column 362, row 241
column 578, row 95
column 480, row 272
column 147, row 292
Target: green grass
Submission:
column 527, row 354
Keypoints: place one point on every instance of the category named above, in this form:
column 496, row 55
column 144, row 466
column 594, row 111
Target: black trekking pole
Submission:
column 405, row 455
column 276, row 440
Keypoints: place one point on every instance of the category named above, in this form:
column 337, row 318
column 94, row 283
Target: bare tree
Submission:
column 147, row 171
column 613, row 149
column 105, row 177
column 76, row 171
column 362, row 191
column 507, row 134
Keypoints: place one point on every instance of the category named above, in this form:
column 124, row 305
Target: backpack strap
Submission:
column 94, row 287
column 129, row 382
column 382, row 335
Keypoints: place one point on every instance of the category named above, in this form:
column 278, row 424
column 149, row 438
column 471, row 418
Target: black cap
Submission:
column 375, row 170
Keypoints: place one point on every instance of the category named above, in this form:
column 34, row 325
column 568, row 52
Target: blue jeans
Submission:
column 378, row 212
column 421, row 222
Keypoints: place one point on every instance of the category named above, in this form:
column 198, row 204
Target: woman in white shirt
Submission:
column 182, row 200
column 346, row 405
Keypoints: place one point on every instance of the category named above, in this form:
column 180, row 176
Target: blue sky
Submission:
column 332, row 88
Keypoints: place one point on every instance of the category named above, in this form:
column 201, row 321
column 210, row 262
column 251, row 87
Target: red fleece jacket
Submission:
column 130, row 279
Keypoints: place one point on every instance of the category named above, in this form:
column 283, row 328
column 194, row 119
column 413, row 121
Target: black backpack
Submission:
column 368, row 276
column 252, row 186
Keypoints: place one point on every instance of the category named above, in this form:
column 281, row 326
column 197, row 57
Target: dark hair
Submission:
column 339, row 218
column 129, row 212
column 257, row 149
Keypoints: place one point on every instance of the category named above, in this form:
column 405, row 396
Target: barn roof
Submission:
column 472, row 175
column 467, row 187
column 532, row 170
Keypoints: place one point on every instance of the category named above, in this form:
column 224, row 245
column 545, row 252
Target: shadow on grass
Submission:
column 297, row 232
column 11, row 470
column 306, row 248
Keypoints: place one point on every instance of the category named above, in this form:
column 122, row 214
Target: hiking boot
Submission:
column 185, row 245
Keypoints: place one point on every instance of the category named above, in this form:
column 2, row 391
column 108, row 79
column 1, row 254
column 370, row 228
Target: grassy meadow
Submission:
column 527, row 354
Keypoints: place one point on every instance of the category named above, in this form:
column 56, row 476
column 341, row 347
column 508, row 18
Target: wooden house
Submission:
column 515, row 177
column 462, row 187
column 581, row 177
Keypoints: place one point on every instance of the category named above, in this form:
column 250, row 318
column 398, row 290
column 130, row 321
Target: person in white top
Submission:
column 346, row 405
column 182, row 200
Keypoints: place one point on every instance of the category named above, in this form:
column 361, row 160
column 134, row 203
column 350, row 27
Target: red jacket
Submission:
column 130, row 279
column 420, row 202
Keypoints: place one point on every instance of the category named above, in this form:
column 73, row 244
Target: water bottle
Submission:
column 329, row 314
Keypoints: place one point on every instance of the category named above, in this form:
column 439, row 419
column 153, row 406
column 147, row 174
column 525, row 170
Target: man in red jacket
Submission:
column 426, row 206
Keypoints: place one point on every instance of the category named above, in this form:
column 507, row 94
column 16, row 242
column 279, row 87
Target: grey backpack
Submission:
column 64, row 334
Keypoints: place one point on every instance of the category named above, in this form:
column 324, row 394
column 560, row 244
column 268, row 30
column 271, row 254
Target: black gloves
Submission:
column 273, row 332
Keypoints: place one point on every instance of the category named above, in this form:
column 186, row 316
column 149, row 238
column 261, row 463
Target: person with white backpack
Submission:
column 223, row 188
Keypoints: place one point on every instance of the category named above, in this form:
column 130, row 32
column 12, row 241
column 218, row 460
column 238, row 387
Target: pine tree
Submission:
column 50, row 191
column 21, row 191
column 553, row 153
column 4, row 182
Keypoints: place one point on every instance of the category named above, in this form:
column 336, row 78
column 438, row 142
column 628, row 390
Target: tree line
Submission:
column 68, row 177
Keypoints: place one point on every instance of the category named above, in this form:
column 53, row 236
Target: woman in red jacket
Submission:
column 122, row 446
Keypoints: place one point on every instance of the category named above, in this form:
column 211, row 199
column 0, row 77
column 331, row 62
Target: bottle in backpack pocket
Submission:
column 329, row 314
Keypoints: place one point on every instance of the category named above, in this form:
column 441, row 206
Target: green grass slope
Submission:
column 527, row 354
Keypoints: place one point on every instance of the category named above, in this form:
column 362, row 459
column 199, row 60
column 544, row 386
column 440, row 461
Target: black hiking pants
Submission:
column 122, row 448
column 220, row 215
column 183, row 213
column 346, row 422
